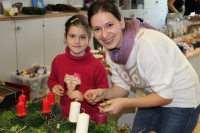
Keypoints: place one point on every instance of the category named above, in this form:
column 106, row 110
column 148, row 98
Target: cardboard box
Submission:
column 9, row 96
column 38, row 85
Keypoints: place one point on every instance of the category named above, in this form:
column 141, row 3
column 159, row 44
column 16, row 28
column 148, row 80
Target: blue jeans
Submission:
column 166, row 120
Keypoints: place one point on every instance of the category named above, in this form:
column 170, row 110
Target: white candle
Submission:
column 74, row 111
column 82, row 124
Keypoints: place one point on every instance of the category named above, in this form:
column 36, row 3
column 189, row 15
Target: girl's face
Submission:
column 107, row 29
column 77, row 40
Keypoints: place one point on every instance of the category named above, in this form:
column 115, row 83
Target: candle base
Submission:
column 22, row 114
column 46, row 112
column 71, row 121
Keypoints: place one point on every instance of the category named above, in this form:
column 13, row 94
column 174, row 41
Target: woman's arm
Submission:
column 115, row 91
column 151, row 100
column 114, row 106
column 171, row 6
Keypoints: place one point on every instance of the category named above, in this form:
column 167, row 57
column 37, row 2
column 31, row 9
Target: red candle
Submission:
column 101, row 118
column 45, row 106
column 104, row 55
column 21, row 111
column 22, row 97
column 50, row 97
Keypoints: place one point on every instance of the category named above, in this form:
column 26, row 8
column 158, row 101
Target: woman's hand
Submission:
column 58, row 90
column 113, row 106
column 95, row 95
column 77, row 95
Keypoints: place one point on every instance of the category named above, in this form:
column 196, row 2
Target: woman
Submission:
column 175, row 6
column 150, row 62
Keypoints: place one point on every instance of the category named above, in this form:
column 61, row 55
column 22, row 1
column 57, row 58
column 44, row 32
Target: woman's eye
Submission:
column 109, row 25
column 96, row 29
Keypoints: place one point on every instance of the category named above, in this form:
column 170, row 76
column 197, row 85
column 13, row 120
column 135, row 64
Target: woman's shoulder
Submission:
column 149, row 34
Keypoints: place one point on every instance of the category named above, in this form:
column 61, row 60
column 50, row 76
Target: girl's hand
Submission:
column 77, row 95
column 113, row 106
column 58, row 90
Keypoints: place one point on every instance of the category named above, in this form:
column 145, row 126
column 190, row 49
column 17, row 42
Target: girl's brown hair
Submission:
column 77, row 20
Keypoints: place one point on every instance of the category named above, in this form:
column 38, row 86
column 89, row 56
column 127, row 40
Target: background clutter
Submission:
column 36, row 78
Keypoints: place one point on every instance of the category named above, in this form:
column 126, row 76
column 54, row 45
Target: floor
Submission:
column 197, row 129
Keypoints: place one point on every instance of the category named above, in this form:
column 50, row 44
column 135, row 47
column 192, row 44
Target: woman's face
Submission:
column 77, row 40
column 107, row 29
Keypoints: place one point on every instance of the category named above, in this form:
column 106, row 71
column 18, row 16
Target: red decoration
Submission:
column 50, row 97
column 45, row 106
column 22, row 98
column 101, row 118
column 21, row 111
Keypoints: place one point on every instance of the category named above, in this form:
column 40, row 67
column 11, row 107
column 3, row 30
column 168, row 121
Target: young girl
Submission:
column 77, row 70
column 150, row 62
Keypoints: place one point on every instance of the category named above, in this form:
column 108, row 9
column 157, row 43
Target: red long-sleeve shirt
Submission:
column 92, row 72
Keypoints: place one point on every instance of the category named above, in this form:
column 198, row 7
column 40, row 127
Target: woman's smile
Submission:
column 108, row 41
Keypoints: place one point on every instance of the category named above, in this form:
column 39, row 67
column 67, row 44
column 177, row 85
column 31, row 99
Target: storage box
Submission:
column 9, row 96
column 25, row 89
column 38, row 85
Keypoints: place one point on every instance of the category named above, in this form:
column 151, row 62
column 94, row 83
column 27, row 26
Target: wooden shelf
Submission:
column 48, row 15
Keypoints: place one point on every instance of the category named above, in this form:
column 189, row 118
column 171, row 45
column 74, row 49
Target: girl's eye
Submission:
column 72, row 36
column 83, row 37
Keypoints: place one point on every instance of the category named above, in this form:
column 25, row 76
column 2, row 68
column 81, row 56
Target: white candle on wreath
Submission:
column 82, row 123
column 74, row 111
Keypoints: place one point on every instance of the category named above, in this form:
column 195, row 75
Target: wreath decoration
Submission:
column 37, row 122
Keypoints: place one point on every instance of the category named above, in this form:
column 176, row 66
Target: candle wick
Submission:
column 83, row 110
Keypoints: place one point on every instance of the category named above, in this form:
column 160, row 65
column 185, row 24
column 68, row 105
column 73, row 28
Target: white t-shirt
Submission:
column 157, row 65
